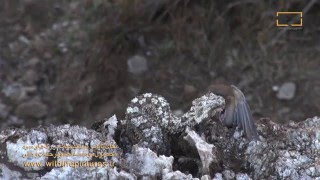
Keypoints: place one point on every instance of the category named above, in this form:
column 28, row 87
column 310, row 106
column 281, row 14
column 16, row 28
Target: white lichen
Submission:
column 206, row 151
column 6, row 173
column 167, row 175
column 111, row 123
column 145, row 162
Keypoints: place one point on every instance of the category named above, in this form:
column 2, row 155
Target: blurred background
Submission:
column 71, row 61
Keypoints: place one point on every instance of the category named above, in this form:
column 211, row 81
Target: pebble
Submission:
column 15, row 92
column 33, row 62
column 24, row 40
column 286, row 91
column 137, row 64
column 32, row 109
column 31, row 77
column 39, row 44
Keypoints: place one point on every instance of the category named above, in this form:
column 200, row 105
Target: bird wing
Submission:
column 242, row 115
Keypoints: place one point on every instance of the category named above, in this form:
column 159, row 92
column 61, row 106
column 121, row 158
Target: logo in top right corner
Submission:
column 289, row 19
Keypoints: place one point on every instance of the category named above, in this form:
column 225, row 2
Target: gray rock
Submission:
column 31, row 77
column 32, row 109
column 206, row 177
column 137, row 64
column 288, row 152
column 7, row 173
column 39, row 44
column 178, row 112
column 4, row 110
column 218, row 176
column 144, row 162
column 24, row 39
column 25, row 146
column 33, row 62
column 207, row 152
column 15, row 92
column 100, row 173
column 19, row 155
column 110, row 125
column 227, row 174
column 242, row 176
column 284, row 151
column 287, row 91
column 177, row 175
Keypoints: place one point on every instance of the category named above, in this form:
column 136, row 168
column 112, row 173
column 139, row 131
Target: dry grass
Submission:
column 231, row 39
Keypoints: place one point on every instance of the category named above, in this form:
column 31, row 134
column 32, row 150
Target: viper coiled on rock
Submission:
column 149, row 120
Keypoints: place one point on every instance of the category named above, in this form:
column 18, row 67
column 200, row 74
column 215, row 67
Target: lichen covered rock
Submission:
column 60, row 148
column 153, row 143
column 288, row 151
column 149, row 120
column 145, row 163
column 25, row 150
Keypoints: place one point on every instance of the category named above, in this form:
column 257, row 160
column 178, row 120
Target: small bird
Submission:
column 237, row 111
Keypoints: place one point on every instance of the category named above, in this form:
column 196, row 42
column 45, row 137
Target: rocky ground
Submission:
column 80, row 61
column 77, row 62
column 289, row 151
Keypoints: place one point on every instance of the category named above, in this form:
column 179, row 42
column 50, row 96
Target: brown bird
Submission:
column 237, row 111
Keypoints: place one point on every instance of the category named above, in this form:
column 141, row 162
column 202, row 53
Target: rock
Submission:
column 110, row 125
column 7, row 173
column 32, row 109
column 24, row 39
column 288, row 153
column 176, row 175
column 15, row 92
column 275, row 88
column 287, row 91
column 212, row 74
column 39, row 44
column 137, row 64
column 63, row 47
column 218, row 176
column 19, row 155
column 31, row 90
column 242, row 176
column 27, row 146
column 178, row 112
column 16, row 47
column 4, row 110
column 284, row 151
column 206, row 177
column 31, row 77
column 114, row 174
column 145, row 162
column 100, row 173
column 227, row 174
column 207, row 152
column 33, row 62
